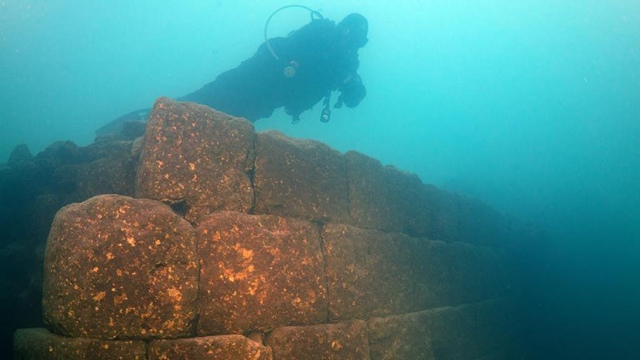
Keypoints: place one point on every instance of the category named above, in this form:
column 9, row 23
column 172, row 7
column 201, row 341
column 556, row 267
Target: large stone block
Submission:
column 117, row 267
column 445, row 215
column 471, row 331
column 196, row 158
column 258, row 273
column 222, row 347
column 300, row 178
column 477, row 273
column 411, row 210
column 432, row 280
column 106, row 176
column 463, row 332
column 405, row 336
column 369, row 202
column 457, row 273
column 346, row 340
column 369, row 273
column 373, row 273
column 40, row 344
column 459, row 218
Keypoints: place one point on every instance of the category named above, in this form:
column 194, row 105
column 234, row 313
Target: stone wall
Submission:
column 257, row 246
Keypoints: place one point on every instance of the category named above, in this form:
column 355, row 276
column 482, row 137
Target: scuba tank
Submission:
column 291, row 67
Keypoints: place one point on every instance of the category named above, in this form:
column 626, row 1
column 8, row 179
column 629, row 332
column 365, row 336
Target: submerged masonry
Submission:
column 225, row 243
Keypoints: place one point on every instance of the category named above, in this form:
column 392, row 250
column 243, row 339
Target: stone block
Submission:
column 222, row 347
column 372, row 273
column 477, row 273
column 369, row 202
column 369, row 273
column 300, row 178
column 445, row 214
column 409, row 203
column 40, row 344
column 108, row 149
column 259, row 272
column 19, row 153
column 117, row 267
column 457, row 273
column 197, row 159
column 406, row 336
column 106, row 176
column 339, row 341
column 430, row 263
column 469, row 331
column 460, row 218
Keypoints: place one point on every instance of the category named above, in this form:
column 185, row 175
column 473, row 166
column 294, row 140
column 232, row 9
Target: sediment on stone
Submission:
column 307, row 251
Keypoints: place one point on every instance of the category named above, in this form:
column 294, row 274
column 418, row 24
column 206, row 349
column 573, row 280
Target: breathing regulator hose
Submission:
column 290, row 69
column 314, row 15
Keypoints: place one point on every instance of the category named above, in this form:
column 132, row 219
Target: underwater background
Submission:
column 531, row 106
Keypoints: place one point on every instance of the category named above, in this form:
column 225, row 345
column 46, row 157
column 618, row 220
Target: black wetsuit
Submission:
column 323, row 60
column 259, row 85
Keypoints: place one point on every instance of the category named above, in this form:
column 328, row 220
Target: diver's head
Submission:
column 353, row 31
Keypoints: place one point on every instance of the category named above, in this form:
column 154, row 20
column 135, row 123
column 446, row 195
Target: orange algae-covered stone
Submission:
column 369, row 199
column 300, row 178
column 117, row 267
column 258, row 273
column 369, row 273
column 221, row 347
column 198, row 158
column 348, row 340
column 40, row 344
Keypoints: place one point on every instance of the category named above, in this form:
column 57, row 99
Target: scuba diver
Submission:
column 294, row 72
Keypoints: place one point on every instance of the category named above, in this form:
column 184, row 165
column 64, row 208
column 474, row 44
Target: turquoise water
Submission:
column 532, row 106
